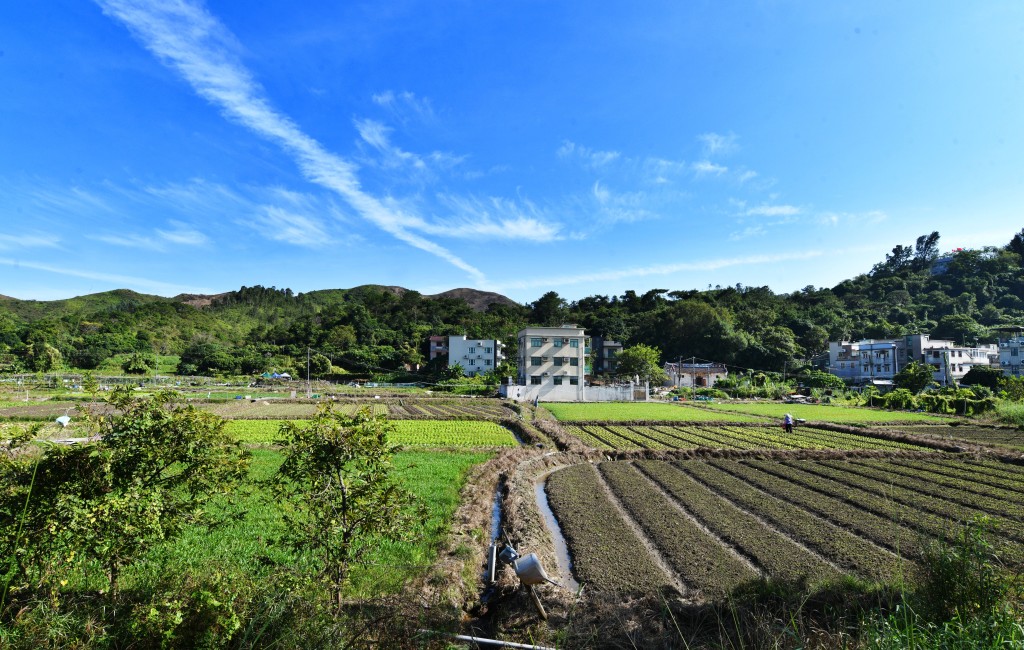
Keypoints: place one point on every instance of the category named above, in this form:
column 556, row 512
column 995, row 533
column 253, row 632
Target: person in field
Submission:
column 787, row 423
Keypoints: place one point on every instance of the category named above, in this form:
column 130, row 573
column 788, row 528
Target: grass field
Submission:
column 245, row 547
column 409, row 433
column 821, row 412
column 634, row 411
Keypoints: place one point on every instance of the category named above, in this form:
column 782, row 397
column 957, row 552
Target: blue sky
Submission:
column 521, row 147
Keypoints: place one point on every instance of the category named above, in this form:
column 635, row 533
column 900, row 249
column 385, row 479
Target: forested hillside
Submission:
column 958, row 295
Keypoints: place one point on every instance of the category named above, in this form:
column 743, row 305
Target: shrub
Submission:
column 899, row 399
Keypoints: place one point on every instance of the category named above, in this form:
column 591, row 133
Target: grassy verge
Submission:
column 247, row 546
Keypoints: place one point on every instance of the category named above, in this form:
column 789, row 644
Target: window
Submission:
column 558, row 381
column 487, row 350
column 472, row 362
column 558, row 361
column 558, row 343
column 535, row 361
column 472, row 350
column 574, row 361
column 535, row 381
column 574, row 343
column 487, row 362
column 1014, row 352
column 536, row 343
column 574, row 381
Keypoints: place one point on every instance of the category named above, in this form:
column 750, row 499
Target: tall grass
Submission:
column 1010, row 413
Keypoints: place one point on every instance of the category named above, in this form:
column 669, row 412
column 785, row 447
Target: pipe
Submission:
column 495, row 642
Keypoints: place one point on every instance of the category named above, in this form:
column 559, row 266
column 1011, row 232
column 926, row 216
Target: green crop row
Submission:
column 820, row 412
column 721, row 436
column 408, row 433
column 637, row 411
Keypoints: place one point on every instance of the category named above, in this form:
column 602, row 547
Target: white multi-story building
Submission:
column 1011, row 354
column 474, row 356
column 554, row 358
column 870, row 361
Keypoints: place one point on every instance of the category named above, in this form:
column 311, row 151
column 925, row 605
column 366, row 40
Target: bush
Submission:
column 966, row 599
column 900, row 399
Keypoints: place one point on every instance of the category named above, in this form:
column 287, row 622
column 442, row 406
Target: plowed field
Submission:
column 709, row 525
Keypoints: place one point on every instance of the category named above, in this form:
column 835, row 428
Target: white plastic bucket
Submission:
column 530, row 571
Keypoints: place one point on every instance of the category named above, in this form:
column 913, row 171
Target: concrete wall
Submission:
column 564, row 393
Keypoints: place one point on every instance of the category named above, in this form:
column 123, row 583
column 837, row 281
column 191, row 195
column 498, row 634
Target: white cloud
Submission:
column 835, row 218
column 183, row 234
column 591, row 158
column 715, row 144
column 601, row 193
column 494, row 218
column 747, row 233
column 708, row 168
column 662, row 269
column 404, row 105
column 154, row 286
column 276, row 223
column 377, row 135
column 39, row 240
column 772, row 211
column 130, row 241
column 190, row 40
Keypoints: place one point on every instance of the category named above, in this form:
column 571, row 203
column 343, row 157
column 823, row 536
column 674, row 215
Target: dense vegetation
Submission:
column 960, row 295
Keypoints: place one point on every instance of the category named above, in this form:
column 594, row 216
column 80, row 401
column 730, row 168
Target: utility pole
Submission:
column 309, row 391
column 693, row 378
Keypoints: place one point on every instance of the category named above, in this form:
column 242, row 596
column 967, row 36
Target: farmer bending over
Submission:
column 787, row 423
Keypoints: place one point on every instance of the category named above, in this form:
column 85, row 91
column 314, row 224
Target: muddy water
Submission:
column 563, row 573
column 496, row 516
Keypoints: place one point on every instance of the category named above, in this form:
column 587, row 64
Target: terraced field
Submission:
column 408, row 433
column 668, row 435
column 1004, row 437
column 279, row 409
column 706, row 526
column 819, row 412
column 636, row 411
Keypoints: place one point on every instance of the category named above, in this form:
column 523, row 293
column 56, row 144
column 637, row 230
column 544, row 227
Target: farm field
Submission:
column 241, row 548
column 820, row 412
column 664, row 436
column 279, row 409
column 636, row 411
column 451, row 409
column 991, row 436
column 409, row 433
column 709, row 526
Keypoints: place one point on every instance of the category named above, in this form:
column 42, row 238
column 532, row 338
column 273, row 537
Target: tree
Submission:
column 90, row 384
column 915, row 377
column 43, row 357
column 819, row 379
column 319, row 365
column 338, row 490
column 1016, row 244
column 640, row 360
column 139, row 364
column 154, row 469
column 988, row 376
column 549, row 309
